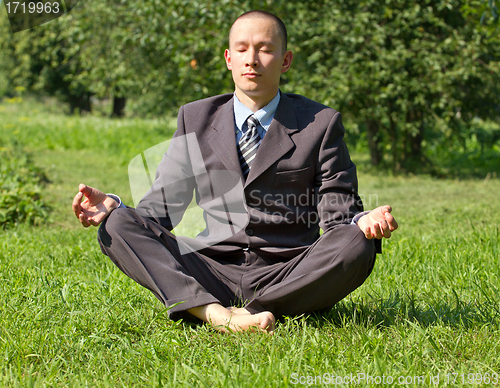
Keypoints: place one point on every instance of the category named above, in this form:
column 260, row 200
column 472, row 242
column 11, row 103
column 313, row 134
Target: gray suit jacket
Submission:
column 302, row 178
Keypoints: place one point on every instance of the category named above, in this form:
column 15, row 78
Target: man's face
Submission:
column 256, row 59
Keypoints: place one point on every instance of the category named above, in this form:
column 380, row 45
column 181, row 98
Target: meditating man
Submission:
column 270, row 169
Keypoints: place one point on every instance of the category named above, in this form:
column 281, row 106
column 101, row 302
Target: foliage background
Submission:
column 417, row 81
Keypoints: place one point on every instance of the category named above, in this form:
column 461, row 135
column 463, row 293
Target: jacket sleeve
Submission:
column 336, row 180
column 172, row 190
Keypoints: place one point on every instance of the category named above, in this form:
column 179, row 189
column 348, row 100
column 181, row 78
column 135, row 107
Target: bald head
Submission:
column 278, row 23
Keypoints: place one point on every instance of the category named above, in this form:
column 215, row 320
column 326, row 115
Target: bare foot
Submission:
column 225, row 319
column 239, row 310
column 264, row 321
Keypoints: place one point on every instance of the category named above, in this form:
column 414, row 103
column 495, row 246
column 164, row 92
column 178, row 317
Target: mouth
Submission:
column 251, row 75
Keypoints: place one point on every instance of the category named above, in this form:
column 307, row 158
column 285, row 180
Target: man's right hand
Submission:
column 95, row 207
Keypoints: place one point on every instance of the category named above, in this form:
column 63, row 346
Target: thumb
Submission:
column 385, row 209
column 85, row 190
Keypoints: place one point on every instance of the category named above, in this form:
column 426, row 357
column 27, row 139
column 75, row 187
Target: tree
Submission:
column 410, row 74
column 38, row 61
column 399, row 69
column 167, row 52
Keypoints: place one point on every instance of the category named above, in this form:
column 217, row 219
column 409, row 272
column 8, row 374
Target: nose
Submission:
column 251, row 58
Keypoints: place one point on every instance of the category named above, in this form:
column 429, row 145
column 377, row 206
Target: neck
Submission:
column 254, row 103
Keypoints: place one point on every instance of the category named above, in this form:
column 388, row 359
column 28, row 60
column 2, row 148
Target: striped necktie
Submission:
column 248, row 145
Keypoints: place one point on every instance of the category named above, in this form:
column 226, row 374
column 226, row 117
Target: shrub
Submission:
column 20, row 189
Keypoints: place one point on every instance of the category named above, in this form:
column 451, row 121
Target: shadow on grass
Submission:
column 399, row 310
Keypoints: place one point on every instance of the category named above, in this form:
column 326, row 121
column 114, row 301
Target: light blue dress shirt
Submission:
column 264, row 115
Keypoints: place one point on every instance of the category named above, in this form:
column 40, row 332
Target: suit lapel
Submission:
column 223, row 138
column 277, row 141
column 275, row 145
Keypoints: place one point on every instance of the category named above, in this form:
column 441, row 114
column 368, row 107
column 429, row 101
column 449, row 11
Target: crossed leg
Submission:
column 190, row 283
column 205, row 288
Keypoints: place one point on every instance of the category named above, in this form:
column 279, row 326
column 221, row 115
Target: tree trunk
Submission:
column 118, row 106
column 416, row 141
column 413, row 157
column 396, row 155
column 80, row 102
column 373, row 142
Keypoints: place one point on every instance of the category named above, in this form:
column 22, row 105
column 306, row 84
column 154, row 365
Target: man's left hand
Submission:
column 378, row 223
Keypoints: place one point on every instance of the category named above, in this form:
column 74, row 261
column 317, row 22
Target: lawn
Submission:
column 429, row 315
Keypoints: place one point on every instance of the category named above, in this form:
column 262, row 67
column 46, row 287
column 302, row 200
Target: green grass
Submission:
column 69, row 318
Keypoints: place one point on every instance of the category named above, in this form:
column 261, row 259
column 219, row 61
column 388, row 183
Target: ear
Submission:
column 227, row 57
column 287, row 61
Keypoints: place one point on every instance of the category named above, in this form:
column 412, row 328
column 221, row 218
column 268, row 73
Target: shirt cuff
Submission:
column 358, row 216
column 117, row 199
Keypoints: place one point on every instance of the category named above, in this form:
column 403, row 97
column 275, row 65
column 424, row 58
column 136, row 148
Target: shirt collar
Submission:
column 265, row 115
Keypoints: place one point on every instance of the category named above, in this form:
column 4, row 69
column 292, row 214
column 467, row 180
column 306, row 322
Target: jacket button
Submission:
column 249, row 232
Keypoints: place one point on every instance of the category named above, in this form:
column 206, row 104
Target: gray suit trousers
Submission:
column 288, row 282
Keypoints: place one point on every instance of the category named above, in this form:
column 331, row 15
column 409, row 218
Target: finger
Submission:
column 85, row 190
column 377, row 233
column 77, row 208
column 84, row 221
column 393, row 225
column 95, row 221
column 368, row 233
column 386, row 209
column 386, row 231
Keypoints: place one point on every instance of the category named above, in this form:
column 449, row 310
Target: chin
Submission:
column 250, row 90
column 249, row 86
